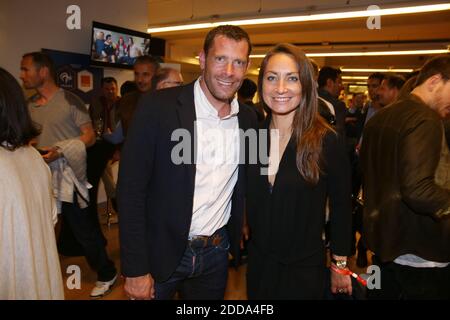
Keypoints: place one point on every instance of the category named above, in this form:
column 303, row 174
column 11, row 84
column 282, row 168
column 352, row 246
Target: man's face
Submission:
column 385, row 94
column 441, row 101
column 110, row 91
column 358, row 101
column 31, row 77
column 372, row 85
column 143, row 74
column 224, row 68
column 336, row 86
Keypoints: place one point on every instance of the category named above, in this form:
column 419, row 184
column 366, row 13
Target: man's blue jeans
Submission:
column 202, row 272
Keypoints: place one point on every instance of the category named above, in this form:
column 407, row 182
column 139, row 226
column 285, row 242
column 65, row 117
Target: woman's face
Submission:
column 281, row 89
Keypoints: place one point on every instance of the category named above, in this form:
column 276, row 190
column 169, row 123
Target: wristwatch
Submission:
column 341, row 264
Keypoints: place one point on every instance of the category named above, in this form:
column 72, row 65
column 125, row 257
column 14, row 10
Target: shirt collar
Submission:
column 205, row 109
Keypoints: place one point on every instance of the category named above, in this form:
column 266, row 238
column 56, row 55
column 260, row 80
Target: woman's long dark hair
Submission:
column 308, row 127
column 16, row 127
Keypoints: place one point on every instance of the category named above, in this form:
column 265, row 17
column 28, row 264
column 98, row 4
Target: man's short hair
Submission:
column 148, row 60
column 377, row 75
column 231, row 32
column 394, row 81
column 41, row 60
column 327, row 73
column 161, row 75
column 437, row 65
column 247, row 89
column 108, row 80
column 128, row 87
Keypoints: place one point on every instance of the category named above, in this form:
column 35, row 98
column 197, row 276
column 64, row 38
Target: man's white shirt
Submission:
column 216, row 164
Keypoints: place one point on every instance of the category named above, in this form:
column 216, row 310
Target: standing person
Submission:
column 369, row 109
column 286, row 209
column 245, row 95
column 99, row 45
column 66, row 132
column 330, row 86
column 109, row 51
column 29, row 262
column 121, row 51
column 133, row 51
column 389, row 89
column 406, row 164
column 104, row 114
column 144, row 70
column 178, row 220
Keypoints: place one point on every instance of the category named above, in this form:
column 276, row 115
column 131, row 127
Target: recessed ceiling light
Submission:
column 376, row 70
column 304, row 18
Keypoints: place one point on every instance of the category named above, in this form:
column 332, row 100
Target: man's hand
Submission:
column 51, row 155
column 245, row 232
column 140, row 288
column 245, row 235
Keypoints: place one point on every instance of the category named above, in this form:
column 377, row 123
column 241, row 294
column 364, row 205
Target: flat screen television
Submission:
column 113, row 46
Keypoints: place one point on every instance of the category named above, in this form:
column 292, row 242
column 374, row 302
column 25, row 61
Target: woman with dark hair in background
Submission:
column 29, row 262
column 286, row 206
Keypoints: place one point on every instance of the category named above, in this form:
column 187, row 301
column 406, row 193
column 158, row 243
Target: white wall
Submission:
column 31, row 25
column 27, row 26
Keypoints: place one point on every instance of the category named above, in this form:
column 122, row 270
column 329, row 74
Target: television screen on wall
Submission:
column 113, row 46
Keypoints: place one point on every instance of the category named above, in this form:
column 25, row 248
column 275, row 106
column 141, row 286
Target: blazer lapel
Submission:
column 187, row 118
column 244, row 124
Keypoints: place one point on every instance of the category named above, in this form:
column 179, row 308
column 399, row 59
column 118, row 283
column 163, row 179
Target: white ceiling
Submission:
column 405, row 32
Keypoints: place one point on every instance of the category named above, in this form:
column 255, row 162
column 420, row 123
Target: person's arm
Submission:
column 137, row 162
column 87, row 134
column 418, row 158
column 339, row 192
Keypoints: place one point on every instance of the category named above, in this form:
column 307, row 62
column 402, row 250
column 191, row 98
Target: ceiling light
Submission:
column 377, row 53
column 360, row 83
column 304, row 18
column 369, row 53
column 355, row 77
column 376, row 70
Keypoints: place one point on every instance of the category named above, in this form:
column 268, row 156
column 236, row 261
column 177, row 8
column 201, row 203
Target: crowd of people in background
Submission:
column 378, row 166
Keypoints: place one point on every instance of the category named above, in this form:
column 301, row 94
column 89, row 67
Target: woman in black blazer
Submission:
column 286, row 207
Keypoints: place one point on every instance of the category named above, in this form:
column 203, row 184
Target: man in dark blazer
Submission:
column 179, row 214
column 330, row 86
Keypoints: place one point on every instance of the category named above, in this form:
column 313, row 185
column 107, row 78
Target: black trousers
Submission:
column 97, row 159
column 400, row 282
column 90, row 238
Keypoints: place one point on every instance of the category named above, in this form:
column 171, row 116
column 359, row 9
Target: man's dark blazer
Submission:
column 340, row 111
column 155, row 196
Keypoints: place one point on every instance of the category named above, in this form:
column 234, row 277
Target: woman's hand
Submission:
column 340, row 283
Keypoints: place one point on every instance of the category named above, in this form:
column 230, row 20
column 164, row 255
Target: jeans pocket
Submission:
column 224, row 244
